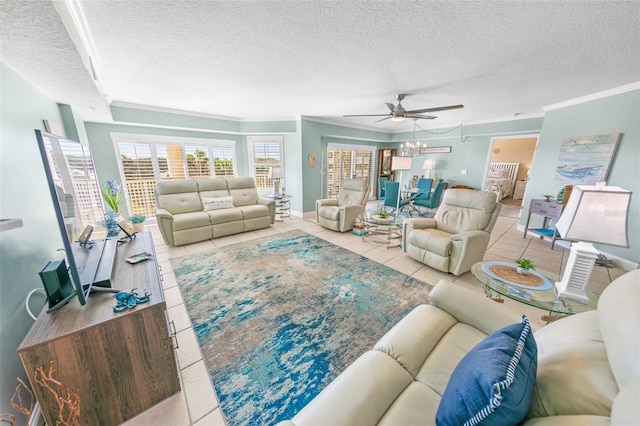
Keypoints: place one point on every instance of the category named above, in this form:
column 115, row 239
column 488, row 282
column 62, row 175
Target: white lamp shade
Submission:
column 429, row 164
column 275, row 172
column 401, row 163
column 596, row 215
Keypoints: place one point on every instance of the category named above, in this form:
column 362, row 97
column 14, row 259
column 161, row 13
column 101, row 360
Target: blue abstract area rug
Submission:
column 279, row 318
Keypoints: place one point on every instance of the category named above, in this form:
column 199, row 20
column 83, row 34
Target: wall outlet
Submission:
column 463, row 172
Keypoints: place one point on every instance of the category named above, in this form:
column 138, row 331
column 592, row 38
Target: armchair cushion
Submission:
column 353, row 191
column 458, row 235
column 436, row 241
column 465, row 210
column 340, row 214
column 494, row 381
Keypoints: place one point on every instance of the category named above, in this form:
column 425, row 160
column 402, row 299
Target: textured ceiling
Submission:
column 281, row 59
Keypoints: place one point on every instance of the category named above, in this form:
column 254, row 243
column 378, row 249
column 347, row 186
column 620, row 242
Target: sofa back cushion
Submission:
column 464, row 210
column 574, row 376
column 352, row 192
column 213, row 188
column 243, row 190
column 619, row 319
column 178, row 196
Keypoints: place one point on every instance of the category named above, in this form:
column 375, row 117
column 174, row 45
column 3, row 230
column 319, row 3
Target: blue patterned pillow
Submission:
column 493, row 383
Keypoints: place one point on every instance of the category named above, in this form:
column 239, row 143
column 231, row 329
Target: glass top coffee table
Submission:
column 383, row 231
column 546, row 300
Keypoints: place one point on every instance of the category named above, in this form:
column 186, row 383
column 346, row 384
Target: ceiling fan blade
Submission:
column 391, row 107
column 442, row 108
column 420, row 116
column 386, row 118
column 367, row 115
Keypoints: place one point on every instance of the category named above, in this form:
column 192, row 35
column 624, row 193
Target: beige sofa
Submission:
column 588, row 369
column 196, row 210
column 458, row 235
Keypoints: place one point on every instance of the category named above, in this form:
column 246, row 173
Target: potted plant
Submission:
column 112, row 197
column 137, row 220
column 382, row 216
column 382, row 213
column 524, row 266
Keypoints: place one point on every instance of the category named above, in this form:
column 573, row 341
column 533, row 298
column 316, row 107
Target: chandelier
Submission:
column 413, row 147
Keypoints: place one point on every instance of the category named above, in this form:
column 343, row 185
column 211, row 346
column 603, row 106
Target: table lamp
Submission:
column 401, row 164
column 275, row 173
column 429, row 164
column 594, row 214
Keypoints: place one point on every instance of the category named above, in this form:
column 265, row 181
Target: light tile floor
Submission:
column 197, row 404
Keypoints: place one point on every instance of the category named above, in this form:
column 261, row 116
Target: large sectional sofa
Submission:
column 189, row 211
column 588, row 365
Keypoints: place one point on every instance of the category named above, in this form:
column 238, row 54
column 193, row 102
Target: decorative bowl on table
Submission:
column 386, row 219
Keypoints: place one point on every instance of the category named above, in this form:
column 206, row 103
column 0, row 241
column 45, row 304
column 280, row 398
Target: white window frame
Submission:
column 154, row 140
column 334, row 146
column 251, row 141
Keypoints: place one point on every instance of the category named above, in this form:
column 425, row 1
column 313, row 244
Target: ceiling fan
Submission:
column 398, row 113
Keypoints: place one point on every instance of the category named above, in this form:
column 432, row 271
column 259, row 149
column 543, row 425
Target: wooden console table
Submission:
column 120, row 364
column 547, row 209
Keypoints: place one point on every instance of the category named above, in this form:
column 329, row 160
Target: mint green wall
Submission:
column 469, row 151
column 104, row 155
column 314, row 139
column 614, row 114
column 24, row 194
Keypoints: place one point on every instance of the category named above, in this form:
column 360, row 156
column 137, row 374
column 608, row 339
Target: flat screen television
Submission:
column 77, row 202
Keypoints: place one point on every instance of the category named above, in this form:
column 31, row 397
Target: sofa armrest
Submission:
column 348, row 215
column 471, row 308
column 467, row 248
column 165, row 223
column 271, row 205
column 326, row 202
column 625, row 406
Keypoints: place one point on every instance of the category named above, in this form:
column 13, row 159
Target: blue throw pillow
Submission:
column 493, row 383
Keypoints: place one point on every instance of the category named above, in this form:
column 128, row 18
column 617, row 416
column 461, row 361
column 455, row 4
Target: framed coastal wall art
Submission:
column 586, row 160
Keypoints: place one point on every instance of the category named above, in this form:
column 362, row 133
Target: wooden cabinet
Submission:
column 120, row 364
column 548, row 210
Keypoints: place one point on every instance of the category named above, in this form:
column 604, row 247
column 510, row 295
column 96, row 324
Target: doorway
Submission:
column 513, row 149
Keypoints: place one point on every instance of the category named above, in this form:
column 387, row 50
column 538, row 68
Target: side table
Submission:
column 546, row 300
column 549, row 210
column 283, row 206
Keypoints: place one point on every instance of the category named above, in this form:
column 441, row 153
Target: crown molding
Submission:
column 594, row 96
column 197, row 114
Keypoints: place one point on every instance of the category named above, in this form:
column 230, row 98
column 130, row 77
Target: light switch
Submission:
column 463, row 172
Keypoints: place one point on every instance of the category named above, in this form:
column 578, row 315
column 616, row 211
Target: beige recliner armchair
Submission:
column 340, row 214
column 458, row 235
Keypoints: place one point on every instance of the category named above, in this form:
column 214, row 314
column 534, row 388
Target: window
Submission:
column 348, row 162
column 265, row 152
column 146, row 160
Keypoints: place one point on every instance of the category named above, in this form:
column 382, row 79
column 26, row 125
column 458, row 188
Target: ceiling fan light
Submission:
column 397, row 118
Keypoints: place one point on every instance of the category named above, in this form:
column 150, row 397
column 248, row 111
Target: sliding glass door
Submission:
column 348, row 162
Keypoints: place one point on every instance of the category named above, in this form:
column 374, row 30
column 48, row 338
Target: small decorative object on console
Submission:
column 140, row 257
column 126, row 300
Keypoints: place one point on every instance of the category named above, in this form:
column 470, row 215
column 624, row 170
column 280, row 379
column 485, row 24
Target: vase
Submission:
column 138, row 227
column 523, row 271
column 111, row 223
